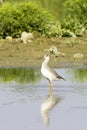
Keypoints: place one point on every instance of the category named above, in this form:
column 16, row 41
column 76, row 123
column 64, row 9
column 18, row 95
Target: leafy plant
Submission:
column 72, row 42
column 26, row 16
column 75, row 16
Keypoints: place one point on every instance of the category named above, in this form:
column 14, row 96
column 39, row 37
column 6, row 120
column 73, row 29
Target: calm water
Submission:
column 25, row 102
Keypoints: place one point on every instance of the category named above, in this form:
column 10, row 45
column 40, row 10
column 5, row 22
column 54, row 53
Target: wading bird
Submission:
column 48, row 72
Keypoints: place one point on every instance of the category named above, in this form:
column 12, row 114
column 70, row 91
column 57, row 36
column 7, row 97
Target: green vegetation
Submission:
column 26, row 16
column 75, row 16
column 54, row 6
column 79, row 74
column 30, row 16
column 20, row 75
column 72, row 42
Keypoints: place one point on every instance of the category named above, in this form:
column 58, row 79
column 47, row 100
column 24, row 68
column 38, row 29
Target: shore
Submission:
column 17, row 54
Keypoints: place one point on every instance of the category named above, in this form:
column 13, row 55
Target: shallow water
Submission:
column 26, row 104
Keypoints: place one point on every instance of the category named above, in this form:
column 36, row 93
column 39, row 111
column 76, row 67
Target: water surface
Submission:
column 26, row 104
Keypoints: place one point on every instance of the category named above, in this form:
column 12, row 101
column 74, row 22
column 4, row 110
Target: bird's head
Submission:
column 47, row 57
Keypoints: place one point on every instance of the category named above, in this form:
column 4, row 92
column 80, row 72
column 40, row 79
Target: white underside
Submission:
column 46, row 73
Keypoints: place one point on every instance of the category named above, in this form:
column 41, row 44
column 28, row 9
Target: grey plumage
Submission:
column 48, row 72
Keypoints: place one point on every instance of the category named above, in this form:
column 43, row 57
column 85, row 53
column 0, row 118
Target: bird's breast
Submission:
column 46, row 73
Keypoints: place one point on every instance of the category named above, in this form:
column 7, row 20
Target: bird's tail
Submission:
column 59, row 77
column 63, row 78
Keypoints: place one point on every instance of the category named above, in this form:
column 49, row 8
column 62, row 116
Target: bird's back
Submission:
column 50, row 73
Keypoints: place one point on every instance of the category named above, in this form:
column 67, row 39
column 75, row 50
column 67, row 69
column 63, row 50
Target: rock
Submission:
column 9, row 38
column 73, row 34
column 78, row 55
column 62, row 54
column 83, row 31
column 26, row 37
column 55, row 51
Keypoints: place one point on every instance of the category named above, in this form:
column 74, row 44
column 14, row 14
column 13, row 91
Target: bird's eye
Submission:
column 46, row 55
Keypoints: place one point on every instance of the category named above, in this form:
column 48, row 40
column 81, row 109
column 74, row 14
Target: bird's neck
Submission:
column 45, row 62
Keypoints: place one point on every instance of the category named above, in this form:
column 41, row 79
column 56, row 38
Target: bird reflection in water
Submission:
column 47, row 105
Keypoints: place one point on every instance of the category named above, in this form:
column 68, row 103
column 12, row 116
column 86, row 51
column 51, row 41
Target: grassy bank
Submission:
column 15, row 53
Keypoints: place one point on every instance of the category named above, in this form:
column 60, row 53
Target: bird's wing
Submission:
column 55, row 73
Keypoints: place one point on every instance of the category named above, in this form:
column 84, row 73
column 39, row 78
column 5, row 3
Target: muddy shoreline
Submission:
column 16, row 54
